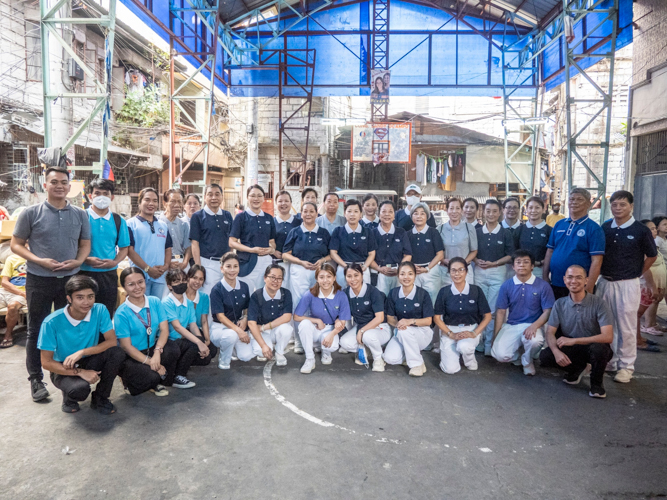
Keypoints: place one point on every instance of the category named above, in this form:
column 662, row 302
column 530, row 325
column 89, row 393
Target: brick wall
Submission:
column 650, row 37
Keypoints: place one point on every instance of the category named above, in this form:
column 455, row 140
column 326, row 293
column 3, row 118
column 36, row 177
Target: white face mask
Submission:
column 412, row 200
column 101, row 202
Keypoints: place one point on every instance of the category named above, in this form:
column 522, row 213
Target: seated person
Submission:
column 196, row 278
column 461, row 314
column 143, row 332
column 587, row 330
column 183, row 331
column 322, row 311
column 270, row 317
column 69, row 340
column 529, row 300
column 12, row 295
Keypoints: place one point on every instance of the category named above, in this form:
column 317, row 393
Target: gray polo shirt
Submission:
column 583, row 319
column 52, row 234
column 459, row 240
column 323, row 221
column 180, row 234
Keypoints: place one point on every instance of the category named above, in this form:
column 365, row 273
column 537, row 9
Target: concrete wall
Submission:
column 650, row 40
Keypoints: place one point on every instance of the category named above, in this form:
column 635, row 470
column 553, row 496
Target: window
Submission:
column 295, row 175
column 652, row 153
column 33, row 52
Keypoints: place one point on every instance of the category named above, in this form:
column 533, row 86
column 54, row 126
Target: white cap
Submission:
column 413, row 187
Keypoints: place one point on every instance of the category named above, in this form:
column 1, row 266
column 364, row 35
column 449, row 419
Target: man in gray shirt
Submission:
column 586, row 324
column 178, row 228
column 59, row 238
column 330, row 220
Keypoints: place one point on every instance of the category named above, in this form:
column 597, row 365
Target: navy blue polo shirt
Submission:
column 425, row 244
column 263, row 309
column 211, row 231
column 625, row 248
column 533, row 239
column 283, row 228
column 392, row 246
column 366, row 305
column 461, row 308
column 526, row 301
column 416, row 305
column 252, row 230
column 403, row 220
column 370, row 224
column 574, row 242
column 229, row 301
column 310, row 246
column 494, row 245
column 353, row 246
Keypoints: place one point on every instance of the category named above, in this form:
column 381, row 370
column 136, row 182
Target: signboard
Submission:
column 382, row 142
column 380, row 83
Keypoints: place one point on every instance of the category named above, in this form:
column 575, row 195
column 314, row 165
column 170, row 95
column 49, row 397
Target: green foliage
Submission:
column 147, row 110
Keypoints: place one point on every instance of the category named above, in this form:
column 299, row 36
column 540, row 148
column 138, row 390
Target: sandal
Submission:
column 649, row 348
column 6, row 343
column 651, row 342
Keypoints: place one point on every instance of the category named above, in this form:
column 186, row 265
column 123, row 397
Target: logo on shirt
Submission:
column 319, row 239
column 427, row 241
column 226, row 222
column 543, row 235
column 268, row 222
column 535, row 293
column 367, row 303
column 581, row 233
column 336, row 307
column 363, row 237
column 630, row 237
column 500, row 242
column 471, row 301
column 397, row 240
column 243, row 295
column 416, row 304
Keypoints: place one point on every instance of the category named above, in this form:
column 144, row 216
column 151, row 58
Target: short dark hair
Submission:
column 282, row 193
column 174, row 275
column 308, row 190
column 473, row 200
column 454, row 199
column 536, row 199
column 229, row 256
column 620, row 195
column 78, row 283
column 354, row 267
column 194, row 269
column 254, row 186
column 523, row 253
column 102, row 185
column 273, row 266
column 213, row 185
column 56, row 170
column 511, row 198
column 493, row 201
column 128, row 272
column 331, row 194
column 190, row 195
column 305, row 204
column 370, row 196
column 646, row 221
column 171, row 191
column 454, row 260
column 407, row 263
column 387, row 202
column 658, row 219
column 353, row 203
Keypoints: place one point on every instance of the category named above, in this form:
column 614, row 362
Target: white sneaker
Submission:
column 222, row 365
column 529, row 369
column 342, row 351
column 417, row 371
column 308, row 366
column 623, row 376
column 653, row 330
column 472, row 366
column 160, row 391
column 298, row 349
column 281, row 360
column 436, row 349
column 378, row 365
column 261, row 359
column 326, row 358
column 181, row 382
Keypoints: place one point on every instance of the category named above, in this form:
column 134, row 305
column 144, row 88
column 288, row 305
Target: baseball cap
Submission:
column 413, row 187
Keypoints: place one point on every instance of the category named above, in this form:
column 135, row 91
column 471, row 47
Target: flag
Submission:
column 107, row 173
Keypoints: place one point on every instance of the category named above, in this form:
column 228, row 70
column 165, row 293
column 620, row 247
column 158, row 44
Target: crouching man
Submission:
column 587, row 330
column 69, row 340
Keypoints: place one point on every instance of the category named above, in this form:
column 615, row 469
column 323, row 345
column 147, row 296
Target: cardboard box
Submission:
column 6, row 229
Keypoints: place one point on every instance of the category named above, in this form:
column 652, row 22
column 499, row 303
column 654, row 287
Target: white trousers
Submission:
column 311, row 336
column 228, row 341
column 386, row 283
column 213, row 274
column 430, row 282
column 301, row 280
column 255, row 279
column 286, row 276
column 278, row 337
column 340, row 276
column 623, row 298
column 408, row 344
column 510, row 339
column 490, row 280
column 373, row 339
column 452, row 350
column 446, row 280
column 537, row 271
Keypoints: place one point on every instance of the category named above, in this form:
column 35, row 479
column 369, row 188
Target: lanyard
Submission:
column 333, row 320
column 147, row 326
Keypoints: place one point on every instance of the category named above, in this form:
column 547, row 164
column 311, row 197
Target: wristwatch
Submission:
column 146, row 268
column 158, row 349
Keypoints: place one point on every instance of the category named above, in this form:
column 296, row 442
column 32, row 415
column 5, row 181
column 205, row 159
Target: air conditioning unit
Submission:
column 74, row 70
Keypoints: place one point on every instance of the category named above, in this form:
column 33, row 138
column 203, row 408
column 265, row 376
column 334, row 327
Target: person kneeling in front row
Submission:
column 269, row 317
column 529, row 300
column 461, row 313
column 69, row 340
column 586, row 323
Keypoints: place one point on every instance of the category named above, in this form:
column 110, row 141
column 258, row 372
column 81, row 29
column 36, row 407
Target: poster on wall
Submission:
column 382, row 142
column 380, row 84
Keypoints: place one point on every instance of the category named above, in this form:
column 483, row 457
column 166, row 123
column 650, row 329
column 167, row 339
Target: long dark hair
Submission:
column 327, row 268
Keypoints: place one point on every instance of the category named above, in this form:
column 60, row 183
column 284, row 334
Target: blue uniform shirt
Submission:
column 370, row 224
column 494, row 245
column 328, row 309
column 366, row 305
column 353, row 246
column 127, row 324
column 392, row 246
column 283, row 227
column 211, row 231
column 533, row 239
column 626, row 246
column 416, row 305
column 403, row 220
column 467, row 307
column 574, row 242
column 202, row 306
column 263, row 309
column 65, row 335
column 252, row 230
column 184, row 312
column 526, row 301
column 150, row 241
column 103, row 238
column 230, row 301
column 425, row 244
column 306, row 245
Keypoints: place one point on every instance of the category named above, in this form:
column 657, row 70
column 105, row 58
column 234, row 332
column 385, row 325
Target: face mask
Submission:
column 412, row 200
column 101, row 202
column 179, row 289
column 556, row 210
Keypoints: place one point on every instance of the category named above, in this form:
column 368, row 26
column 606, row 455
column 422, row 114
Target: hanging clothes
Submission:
column 420, row 167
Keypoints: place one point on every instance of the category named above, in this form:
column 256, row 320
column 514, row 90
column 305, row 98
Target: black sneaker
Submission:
column 575, row 378
column 597, row 392
column 181, row 382
column 103, row 405
column 70, row 406
column 38, row 390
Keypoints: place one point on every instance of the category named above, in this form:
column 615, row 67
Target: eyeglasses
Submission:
column 275, row 278
column 457, row 271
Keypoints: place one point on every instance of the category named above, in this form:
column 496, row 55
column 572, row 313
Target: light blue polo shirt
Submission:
column 127, row 324
column 103, row 238
column 65, row 335
column 184, row 312
column 150, row 243
column 202, row 306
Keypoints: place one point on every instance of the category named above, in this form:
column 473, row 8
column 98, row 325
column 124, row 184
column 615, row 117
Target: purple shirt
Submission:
column 328, row 309
column 526, row 301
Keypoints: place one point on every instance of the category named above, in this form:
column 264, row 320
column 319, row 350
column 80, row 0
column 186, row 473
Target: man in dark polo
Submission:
column 59, row 238
column 587, row 330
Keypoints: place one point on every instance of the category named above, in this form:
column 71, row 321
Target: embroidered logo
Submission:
column 581, row 233
column 319, row 239
column 397, row 240
column 416, row 304
column 630, row 237
column 472, row 301
column 427, row 241
column 367, row 303
column 226, row 222
column 543, row 235
column 500, row 242
column 268, row 222
column 363, row 237
column 243, row 295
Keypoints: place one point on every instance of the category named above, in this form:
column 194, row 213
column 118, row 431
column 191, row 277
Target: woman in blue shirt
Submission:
column 409, row 310
column 328, row 309
column 427, row 250
column 393, row 248
column 370, row 208
column 229, row 300
column 352, row 243
column 285, row 222
column 143, row 333
column 369, row 327
column 253, row 236
column 196, row 278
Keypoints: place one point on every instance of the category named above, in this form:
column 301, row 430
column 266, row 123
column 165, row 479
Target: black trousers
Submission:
column 213, row 350
column 598, row 355
column 139, row 377
column 185, row 356
column 107, row 281
column 108, row 363
column 42, row 295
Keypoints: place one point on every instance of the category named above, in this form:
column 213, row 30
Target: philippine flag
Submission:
column 107, row 173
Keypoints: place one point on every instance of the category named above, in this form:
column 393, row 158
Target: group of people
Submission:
column 376, row 281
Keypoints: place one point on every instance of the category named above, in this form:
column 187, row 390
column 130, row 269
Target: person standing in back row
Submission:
column 59, row 238
column 413, row 195
column 178, row 229
column 533, row 236
column 555, row 216
column 330, row 220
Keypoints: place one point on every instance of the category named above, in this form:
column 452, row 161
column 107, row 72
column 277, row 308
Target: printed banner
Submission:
column 380, row 83
column 382, row 142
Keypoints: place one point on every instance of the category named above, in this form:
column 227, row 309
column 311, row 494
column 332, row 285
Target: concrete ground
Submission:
column 259, row 431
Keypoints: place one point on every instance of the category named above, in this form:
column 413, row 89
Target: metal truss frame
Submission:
column 49, row 20
column 380, row 54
